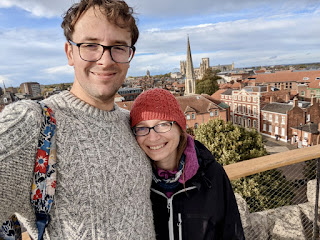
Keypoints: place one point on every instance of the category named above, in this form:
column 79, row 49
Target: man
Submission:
column 103, row 178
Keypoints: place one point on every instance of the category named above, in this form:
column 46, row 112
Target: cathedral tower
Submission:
column 190, row 81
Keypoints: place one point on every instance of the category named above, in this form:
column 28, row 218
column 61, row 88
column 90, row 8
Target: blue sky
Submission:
column 246, row 32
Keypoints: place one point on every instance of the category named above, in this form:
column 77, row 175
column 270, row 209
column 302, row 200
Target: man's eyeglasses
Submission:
column 92, row 52
column 159, row 128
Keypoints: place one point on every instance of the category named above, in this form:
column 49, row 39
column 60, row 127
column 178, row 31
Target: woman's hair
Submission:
column 181, row 147
column 116, row 12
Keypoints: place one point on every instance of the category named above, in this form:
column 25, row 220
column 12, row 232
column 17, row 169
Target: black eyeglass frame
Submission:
column 104, row 49
column 149, row 128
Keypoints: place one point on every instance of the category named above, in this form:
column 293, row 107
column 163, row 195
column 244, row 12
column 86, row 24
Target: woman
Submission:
column 191, row 194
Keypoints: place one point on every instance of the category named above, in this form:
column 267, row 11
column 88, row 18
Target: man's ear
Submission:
column 69, row 52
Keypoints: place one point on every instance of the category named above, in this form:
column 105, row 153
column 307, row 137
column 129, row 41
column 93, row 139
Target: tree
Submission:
column 230, row 144
column 208, row 84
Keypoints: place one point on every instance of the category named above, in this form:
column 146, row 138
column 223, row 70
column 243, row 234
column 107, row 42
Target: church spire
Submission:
column 4, row 87
column 190, row 82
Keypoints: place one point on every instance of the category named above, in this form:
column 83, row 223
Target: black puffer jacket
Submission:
column 205, row 209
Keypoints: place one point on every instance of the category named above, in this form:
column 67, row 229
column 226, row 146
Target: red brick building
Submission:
column 198, row 109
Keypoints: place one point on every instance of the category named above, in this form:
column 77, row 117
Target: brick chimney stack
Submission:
column 271, row 99
column 288, row 97
column 295, row 102
column 313, row 100
column 282, row 86
column 268, row 88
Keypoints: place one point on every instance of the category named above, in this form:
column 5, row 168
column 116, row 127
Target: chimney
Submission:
column 313, row 100
column 271, row 99
column 268, row 88
column 288, row 97
column 282, row 86
column 295, row 102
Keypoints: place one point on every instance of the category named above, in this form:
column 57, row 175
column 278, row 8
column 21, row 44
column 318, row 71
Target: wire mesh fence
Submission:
column 280, row 203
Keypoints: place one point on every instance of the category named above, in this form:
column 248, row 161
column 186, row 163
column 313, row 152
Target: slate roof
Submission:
column 277, row 107
column 309, row 127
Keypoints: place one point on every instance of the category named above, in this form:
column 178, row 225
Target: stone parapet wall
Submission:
column 284, row 223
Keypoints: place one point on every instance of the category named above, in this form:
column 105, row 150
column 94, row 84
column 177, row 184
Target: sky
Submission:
column 246, row 32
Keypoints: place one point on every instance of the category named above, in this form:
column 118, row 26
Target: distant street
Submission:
column 272, row 146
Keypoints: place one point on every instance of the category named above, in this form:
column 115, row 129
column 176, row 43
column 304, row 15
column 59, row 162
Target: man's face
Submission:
column 97, row 82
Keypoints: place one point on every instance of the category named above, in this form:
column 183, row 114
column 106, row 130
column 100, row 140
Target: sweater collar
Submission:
column 67, row 100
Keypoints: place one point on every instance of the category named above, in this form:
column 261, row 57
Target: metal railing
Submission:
column 285, row 204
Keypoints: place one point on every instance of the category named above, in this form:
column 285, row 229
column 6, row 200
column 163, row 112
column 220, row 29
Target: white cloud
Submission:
column 40, row 8
column 65, row 69
column 254, row 32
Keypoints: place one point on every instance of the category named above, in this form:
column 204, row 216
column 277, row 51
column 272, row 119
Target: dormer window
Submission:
column 305, row 78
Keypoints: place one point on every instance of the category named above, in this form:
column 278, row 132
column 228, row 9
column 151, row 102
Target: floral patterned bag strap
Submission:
column 44, row 180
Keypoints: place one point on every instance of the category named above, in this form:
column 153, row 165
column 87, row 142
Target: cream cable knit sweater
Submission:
column 103, row 177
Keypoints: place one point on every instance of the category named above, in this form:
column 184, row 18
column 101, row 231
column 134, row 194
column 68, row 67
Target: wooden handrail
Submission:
column 261, row 164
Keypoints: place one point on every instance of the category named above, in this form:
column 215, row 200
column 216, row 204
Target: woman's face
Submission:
column 160, row 147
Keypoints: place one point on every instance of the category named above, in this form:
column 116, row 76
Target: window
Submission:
column 283, row 132
column 239, row 108
column 249, row 99
column 249, row 109
column 249, row 123
column 235, row 119
column 264, row 116
column 264, row 127
column 254, row 99
column 239, row 97
column 308, row 117
column 254, row 123
column 211, row 113
column 196, row 125
column 5, row 100
column 243, row 98
column 188, row 116
column 193, row 116
column 283, row 120
column 276, row 118
column 254, row 110
column 244, row 109
column 216, row 113
column 240, row 120
column 303, row 93
column 187, row 126
column 270, row 117
column 222, row 96
column 235, row 107
column 235, row 97
column 270, row 128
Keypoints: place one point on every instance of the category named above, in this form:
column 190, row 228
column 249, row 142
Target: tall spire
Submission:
column 190, row 82
column 4, row 87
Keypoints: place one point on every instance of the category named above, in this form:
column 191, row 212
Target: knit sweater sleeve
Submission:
column 19, row 130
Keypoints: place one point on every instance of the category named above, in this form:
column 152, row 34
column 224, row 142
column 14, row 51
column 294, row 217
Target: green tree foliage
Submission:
column 208, row 84
column 230, row 144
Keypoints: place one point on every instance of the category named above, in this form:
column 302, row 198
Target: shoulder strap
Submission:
column 44, row 180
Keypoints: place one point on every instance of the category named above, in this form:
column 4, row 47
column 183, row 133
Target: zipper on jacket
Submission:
column 170, row 209
column 170, row 222
column 180, row 226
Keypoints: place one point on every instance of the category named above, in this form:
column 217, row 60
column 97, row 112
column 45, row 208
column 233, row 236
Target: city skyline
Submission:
column 252, row 33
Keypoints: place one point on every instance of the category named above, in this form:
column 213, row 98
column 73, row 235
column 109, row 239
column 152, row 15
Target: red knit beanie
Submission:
column 157, row 104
